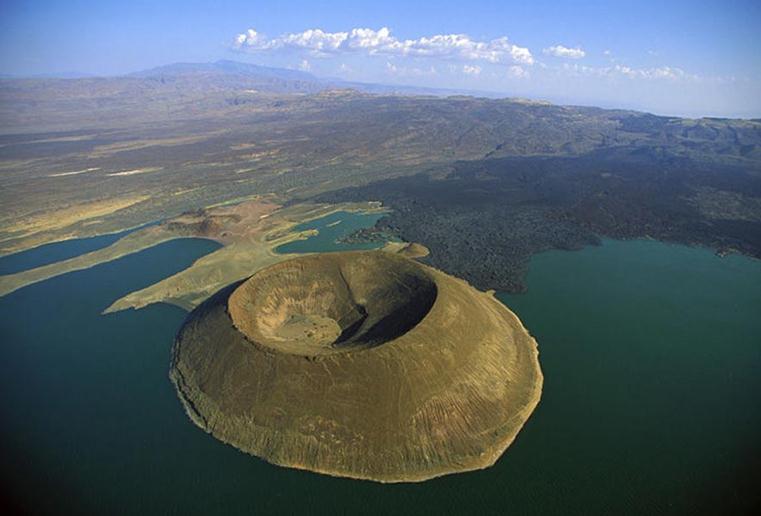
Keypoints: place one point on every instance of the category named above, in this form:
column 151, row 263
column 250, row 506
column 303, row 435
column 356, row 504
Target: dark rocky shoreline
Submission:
column 484, row 220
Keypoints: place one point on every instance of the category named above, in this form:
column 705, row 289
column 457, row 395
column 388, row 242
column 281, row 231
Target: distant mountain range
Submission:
column 227, row 68
column 227, row 75
column 234, row 74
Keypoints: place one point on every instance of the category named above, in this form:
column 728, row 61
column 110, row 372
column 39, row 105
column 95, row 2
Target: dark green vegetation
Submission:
column 651, row 408
column 484, row 219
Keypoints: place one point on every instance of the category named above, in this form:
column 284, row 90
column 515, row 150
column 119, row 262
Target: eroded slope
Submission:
column 424, row 375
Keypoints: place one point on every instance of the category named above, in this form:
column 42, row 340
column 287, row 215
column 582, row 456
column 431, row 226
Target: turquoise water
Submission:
column 651, row 355
column 330, row 228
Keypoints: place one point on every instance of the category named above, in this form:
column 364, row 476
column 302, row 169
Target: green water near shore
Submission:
column 651, row 355
column 330, row 229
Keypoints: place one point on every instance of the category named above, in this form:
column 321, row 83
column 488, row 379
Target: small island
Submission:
column 363, row 364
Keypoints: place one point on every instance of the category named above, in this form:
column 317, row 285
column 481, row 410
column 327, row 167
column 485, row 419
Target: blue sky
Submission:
column 689, row 58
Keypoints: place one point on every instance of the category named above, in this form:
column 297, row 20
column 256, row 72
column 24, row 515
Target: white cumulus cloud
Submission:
column 471, row 69
column 561, row 51
column 382, row 42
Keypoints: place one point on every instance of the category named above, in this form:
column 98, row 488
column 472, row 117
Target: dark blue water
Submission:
column 651, row 355
column 56, row 251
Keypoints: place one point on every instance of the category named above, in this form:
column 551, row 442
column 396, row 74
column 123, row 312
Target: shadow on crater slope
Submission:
column 326, row 304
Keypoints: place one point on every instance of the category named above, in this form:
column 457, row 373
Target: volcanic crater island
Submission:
column 362, row 364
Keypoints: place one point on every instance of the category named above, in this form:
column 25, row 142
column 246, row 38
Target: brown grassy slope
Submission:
column 392, row 402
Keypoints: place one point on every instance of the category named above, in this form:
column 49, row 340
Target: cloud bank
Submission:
column 382, row 42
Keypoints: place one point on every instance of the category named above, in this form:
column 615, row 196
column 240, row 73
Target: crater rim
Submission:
column 332, row 303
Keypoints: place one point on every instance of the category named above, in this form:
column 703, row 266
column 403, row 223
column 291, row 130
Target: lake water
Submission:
column 58, row 251
column 55, row 252
column 652, row 362
column 330, row 228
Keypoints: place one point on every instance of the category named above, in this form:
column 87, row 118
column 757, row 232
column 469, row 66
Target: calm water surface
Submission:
column 330, row 228
column 57, row 251
column 651, row 355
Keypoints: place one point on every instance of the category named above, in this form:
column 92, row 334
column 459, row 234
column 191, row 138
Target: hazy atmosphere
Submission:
column 686, row 58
